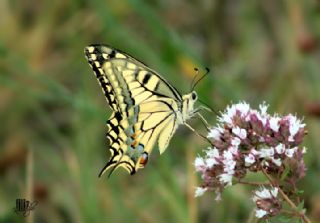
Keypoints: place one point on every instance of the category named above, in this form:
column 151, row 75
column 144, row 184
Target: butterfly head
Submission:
column 188, row 105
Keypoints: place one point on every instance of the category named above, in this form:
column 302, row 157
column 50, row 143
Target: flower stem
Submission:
column 254, row 183
column 285, row 197
column 290, row 213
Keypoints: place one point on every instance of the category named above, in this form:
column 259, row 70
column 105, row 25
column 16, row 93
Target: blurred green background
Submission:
column 53, row 112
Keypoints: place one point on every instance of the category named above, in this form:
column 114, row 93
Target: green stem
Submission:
column 285, row 197
column 254, row 183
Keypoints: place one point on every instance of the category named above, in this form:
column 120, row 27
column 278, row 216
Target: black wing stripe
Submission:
column 98, row 50
column 104, row 83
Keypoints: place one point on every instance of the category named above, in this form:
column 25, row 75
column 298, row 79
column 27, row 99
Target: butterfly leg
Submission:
column 198, row 134
column 204, row 121
column 202, row 107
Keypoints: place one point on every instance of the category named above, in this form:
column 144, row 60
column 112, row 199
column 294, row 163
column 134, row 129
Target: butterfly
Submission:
column 146, row 108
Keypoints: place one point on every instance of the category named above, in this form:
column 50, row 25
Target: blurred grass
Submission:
column 51, row 104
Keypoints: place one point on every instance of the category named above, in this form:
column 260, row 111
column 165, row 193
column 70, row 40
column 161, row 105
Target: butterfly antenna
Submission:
column 203, row 76
column 194, row 78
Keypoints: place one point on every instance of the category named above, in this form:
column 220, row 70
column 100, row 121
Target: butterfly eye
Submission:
column 194, row 95
column 143, row 159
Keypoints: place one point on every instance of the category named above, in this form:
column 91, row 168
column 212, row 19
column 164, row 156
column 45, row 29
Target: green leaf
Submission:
column 285, row 173
column 286, row 219
column 300, row 207
column 299, row 192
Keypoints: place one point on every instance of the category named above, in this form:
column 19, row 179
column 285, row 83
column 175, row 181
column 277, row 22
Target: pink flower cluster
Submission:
column 267, row 202
column 248, row 140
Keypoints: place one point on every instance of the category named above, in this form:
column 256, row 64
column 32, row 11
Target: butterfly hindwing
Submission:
column 117, row 136
column 144, row 106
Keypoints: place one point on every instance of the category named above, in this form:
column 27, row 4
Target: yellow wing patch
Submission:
column 145, row 107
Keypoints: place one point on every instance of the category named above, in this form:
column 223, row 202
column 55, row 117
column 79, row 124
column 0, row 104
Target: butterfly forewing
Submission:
column 144, row 106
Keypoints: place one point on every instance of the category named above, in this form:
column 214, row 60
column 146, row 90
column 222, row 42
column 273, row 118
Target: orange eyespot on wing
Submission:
column 143, row 160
